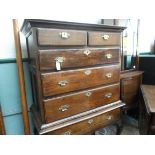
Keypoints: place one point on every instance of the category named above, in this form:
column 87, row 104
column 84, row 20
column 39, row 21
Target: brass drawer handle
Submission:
column 64, row 35
column 90, row 121
column 105, row 36
column 109, row 118
column 109, row 75
column 87, row 52
column 63, row 83
column 108, row 56
column 108, row 95
column 88, row 72
column 88, row 94
column 64, row 108
column 67, row 133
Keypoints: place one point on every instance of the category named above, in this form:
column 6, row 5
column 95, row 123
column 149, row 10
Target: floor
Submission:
column 130, row 127
column 129, row 130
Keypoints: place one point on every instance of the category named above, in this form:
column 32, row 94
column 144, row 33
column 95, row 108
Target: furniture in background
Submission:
column 147, row 110
column 131, row 78
column 130, row 86
column 2, row 128
column 75, row 73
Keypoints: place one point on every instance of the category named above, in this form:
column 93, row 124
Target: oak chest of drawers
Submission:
column 75, row 74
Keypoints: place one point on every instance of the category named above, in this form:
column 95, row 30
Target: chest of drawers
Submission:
column 75, row 74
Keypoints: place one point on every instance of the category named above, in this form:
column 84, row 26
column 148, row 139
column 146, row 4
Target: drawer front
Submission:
column 89, row 125
column 103, row 38
column 66, row 81
column 129, row 90
column 49, row 59
column 58, row 37
column 129, row 98
column 65, row 106
column 131, row 85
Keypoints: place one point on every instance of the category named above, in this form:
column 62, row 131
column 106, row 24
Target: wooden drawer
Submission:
column 68, row 105
column 131, row 85
column 103, row 38
column 129, row 98
column 89, row 125
column 54, row 83
column 61, row 37
column 70, row 58
column 129, row 91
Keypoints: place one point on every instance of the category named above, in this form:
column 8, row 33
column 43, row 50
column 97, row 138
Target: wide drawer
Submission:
column 58, row 37
column 89, row 125
column 103, row 38
column 70, row 58
column 68, row 105
column 54, row 83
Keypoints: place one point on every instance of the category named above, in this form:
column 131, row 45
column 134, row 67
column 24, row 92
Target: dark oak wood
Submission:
column 53, row 37
column 74, row 58
column 97, row 38
column 130, row 74
column 78, row 79
column 35, row 72
column 68, row 105
column 89, row 125
column 147, row 110
column 130, row 86
column 69, row 73
column 2, row 127
column 21, row 78
column 29, row 23
column 46, row 128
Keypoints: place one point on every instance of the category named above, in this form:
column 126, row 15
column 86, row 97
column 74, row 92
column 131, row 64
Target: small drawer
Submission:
column 61, row 37
column 103, row 38
column 71, row 58
column 68, row 105
column 89, row 125
column 54, row 83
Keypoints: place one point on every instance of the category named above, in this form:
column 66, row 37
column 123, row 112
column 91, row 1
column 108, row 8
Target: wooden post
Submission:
column 21, row 77
column 2, row 128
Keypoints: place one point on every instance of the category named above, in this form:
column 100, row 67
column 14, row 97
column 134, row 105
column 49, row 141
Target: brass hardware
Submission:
column 62, row 83
column 88, row 94
column 67, row 133
column 108, row 95
column 90, row 121
column 87, row 52
column 87, row 72
column 64, row 35
column 105, row 36
column 109, row 117
column 108, row 56
column 64, row 107
column 109, row 75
